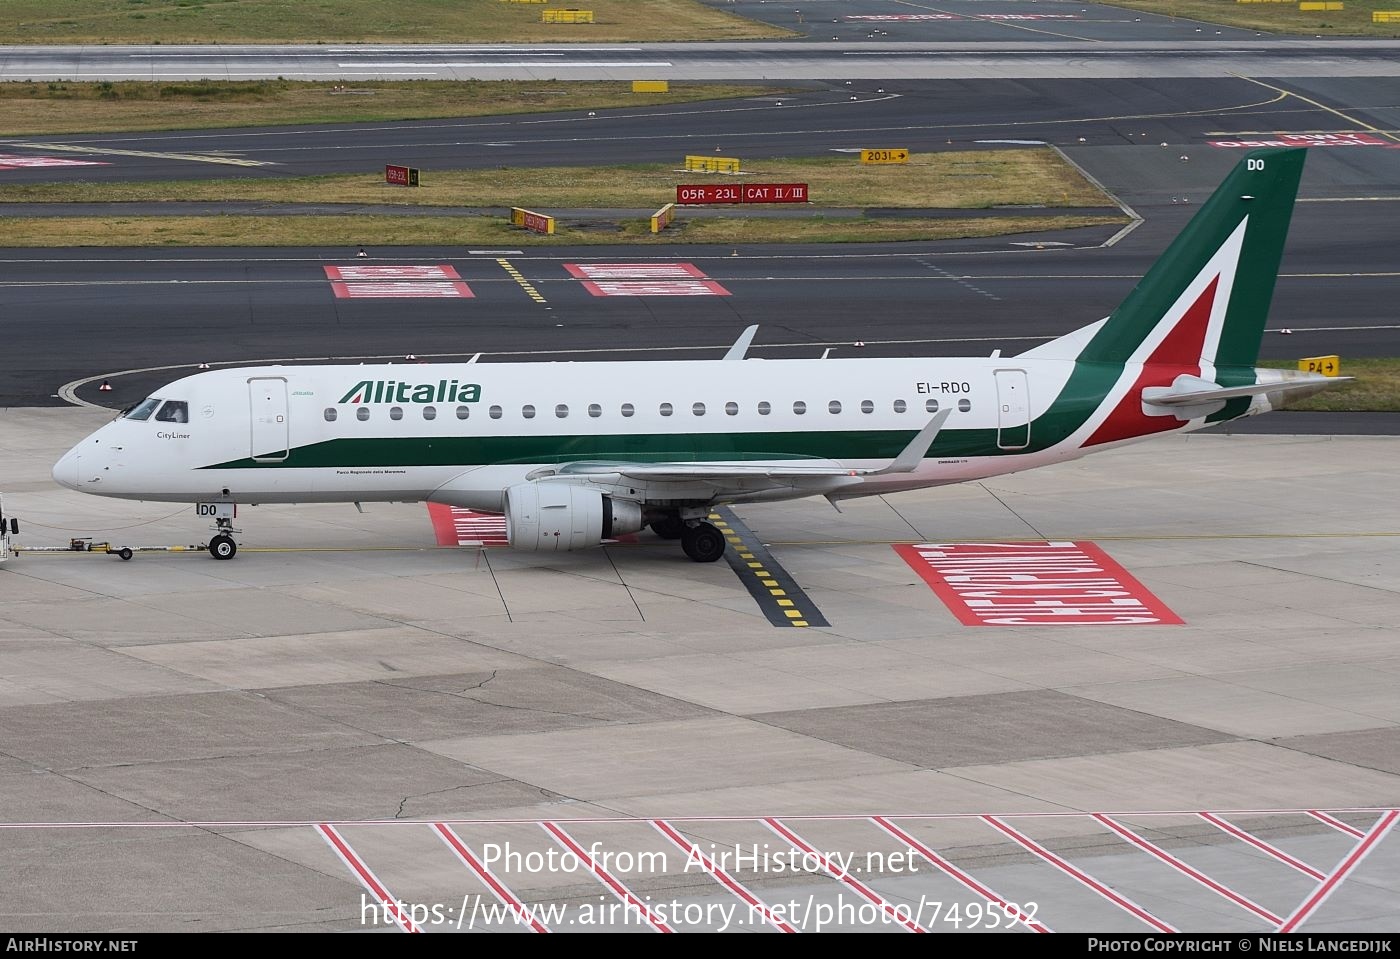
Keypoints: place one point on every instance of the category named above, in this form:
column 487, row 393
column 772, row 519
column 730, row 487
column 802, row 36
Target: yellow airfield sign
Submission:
column 900, row 155
column 1326, row 365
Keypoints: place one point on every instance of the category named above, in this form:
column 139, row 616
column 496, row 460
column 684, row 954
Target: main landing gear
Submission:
column 668, row 527
column 700, row 540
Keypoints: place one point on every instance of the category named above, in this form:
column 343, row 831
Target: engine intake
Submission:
column 557, row 517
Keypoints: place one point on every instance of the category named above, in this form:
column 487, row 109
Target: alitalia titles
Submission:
column 394, row 391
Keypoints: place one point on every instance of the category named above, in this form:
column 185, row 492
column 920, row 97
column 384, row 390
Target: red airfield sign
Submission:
column 697, row 193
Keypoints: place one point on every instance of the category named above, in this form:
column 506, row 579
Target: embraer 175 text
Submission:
column 576, row 453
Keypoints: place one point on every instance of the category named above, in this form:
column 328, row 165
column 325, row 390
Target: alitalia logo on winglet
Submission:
column 392, row 391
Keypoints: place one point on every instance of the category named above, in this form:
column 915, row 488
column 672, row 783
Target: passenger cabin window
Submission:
column 698, row 409
column 628, row 409
column 173, row 411
column 143, row 410
column 731, row 409
column 396, row 412
column 594, row 410
column 430, row 412
column 900, row 406
column 362, row 413
column 331, row 414
column 495, row 412
column 666, row 409
column 764, row 408
column 964, row 405
column 799, row 407
column 527, row 411
column 561, row 411
column 867, row 406
column 931, row 405
column 834, row 406
column 463, row 412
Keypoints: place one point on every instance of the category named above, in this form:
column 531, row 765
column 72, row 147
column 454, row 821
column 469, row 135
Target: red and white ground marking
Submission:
column 1262, row 846
column 720, row 875
column 861, row 889
column 634, row 271
column 366, row 877
column 1157, row 852
column 605, row 877
column 1344, row 868
column 1047, row 583
column 458, row 526
column 498, row 889
column 11, row 162
column 953, row 872
column 890, row 17
column 654, row 288
column 1028, row 16
column 1305, row 140
column 382, row 281
column 403, row 290
column 644, row 279
column 1335, row 823
column 367, row 271
column 1119, row 900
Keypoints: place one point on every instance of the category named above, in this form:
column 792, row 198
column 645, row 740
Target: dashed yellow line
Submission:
column 781, row 600
column 525, row 284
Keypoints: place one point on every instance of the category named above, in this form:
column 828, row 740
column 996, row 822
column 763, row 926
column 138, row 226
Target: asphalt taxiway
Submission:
column 801, row 118
column 834, row 58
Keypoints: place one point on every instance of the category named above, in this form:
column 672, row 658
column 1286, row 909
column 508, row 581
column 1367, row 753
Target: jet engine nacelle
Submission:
column 561, row 516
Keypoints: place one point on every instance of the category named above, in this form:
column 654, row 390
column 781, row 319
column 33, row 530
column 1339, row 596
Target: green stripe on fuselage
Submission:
column 1077, row 401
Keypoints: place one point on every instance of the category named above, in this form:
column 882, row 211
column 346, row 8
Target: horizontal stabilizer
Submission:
column 1193, row 391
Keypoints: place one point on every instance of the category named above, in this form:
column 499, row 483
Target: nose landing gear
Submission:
column 221, row 546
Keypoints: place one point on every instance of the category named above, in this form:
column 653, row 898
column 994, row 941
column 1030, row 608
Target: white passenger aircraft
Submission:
column 576, row 453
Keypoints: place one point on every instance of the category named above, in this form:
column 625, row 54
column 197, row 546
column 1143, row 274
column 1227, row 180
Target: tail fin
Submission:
column 1204, row 302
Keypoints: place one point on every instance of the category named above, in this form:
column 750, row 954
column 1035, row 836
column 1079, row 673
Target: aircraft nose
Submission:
column 65, row 471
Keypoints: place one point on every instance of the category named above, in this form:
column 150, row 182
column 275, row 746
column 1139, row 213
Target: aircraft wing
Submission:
column 820, row 473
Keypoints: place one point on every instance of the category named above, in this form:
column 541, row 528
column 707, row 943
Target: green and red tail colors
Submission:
column 1192, row 326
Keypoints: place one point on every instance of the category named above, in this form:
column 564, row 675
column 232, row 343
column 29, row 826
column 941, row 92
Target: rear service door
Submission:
column 267, row 400
column 1013, row 410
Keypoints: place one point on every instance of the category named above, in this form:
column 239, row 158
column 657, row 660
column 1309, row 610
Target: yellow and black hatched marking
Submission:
column 525, row 284
column 780, row 598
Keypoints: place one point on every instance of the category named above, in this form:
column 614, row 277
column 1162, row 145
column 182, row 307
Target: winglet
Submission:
column 909, row 458
column 741, row 345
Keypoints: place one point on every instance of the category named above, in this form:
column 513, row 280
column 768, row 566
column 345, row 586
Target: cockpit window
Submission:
column 143, row 410
column 174, row 411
